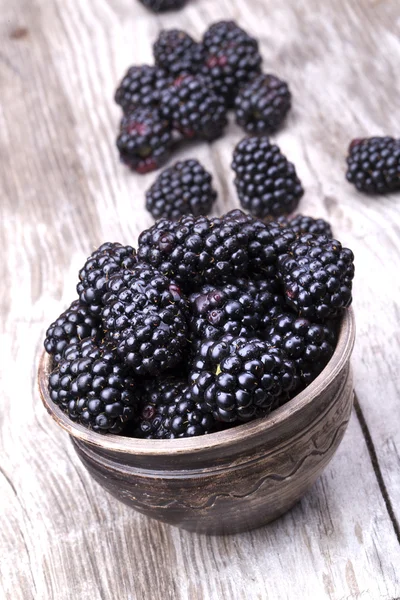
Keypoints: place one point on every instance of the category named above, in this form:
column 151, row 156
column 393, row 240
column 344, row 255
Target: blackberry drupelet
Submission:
column 185, row 188
column 168, row 412
column 144, row 140
column 193, row 108
column 177, row 52
column 145, row 316
column 232, row 59
column 73, row 325
column 309, row 345
column 141, row 87
column 317, row 276
column 374, row 164
column 262, row 104
column 109, row 259
column 162, row 5
column 196, row 250
column 302, row 224
column 266, row 182
column 92, row 386
column 236, row 377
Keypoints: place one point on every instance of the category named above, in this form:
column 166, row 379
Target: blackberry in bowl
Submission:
column 210, row 396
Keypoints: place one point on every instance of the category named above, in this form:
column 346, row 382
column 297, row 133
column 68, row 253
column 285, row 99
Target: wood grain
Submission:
column 63, row 192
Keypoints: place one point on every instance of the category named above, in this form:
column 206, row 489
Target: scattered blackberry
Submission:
column 234, row 377
column 107, row 260
column 177, row 52
column 317, row 276
column 185, row 188
column 238, row 308
column 145, row 315
column 266, row 182
column 169, row 412
column 92, row 386
column 144, row 140
column 232, row 59
column 374, row 164
column 308, row 344
column 73, row 325
column 161, row 5
column 141, row 87
column 193, row 108
column 302, row 224
column 196, row 250
column 262, row 104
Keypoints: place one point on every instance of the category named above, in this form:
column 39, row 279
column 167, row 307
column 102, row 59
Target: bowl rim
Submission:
column 220, row 439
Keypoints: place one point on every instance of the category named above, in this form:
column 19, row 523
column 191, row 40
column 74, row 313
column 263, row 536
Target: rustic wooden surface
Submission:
column 64, row 192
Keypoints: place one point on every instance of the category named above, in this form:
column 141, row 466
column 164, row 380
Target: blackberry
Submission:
column 162, row 5
column 185, row 188
column 309, row 345
column 224, row 33
column 144, row 140
column 374, row 165
column 234, row 377
column 145, row 316
column 262, row 104
column 196, row 250
column 168, row 412
column 73, row 325
column 266, row 241
column 266, row 182
column 302, row 224
column 238, row 308
column 92, row 386
column 141, row 87
column 193, row 108
column 177, row 52
column 232, row 59
column 317, row 276
column 109, row 259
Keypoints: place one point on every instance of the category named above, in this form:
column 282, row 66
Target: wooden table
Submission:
column 64, row 192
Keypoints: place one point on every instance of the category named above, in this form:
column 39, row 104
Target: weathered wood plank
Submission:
column 63, row 193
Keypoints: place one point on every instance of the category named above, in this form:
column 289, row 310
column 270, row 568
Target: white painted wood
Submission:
column 64, row 192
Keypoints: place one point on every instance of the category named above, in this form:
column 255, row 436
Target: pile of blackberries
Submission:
column 212, row 322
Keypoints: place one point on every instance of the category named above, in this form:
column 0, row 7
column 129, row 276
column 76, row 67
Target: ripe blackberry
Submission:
column 145, row 315
column 302, row 224
column 234, row 377
column 144, row 140
column 309, row 345
column 140, row 88
column 109, row 259
column 262, row 104
column 224, row 33
column 232, row 59
column 266, row 241
column 185, row 188
column 266, row 182
column 162, row 5
column 317, row 276
column 168, row 412
column 238, row 308
column 92, row 386
column 374, row 165
column 177, row 52
column 73, row 325
column 196, row 250
column 193, row 108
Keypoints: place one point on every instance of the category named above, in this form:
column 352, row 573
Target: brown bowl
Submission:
column 229, row 481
